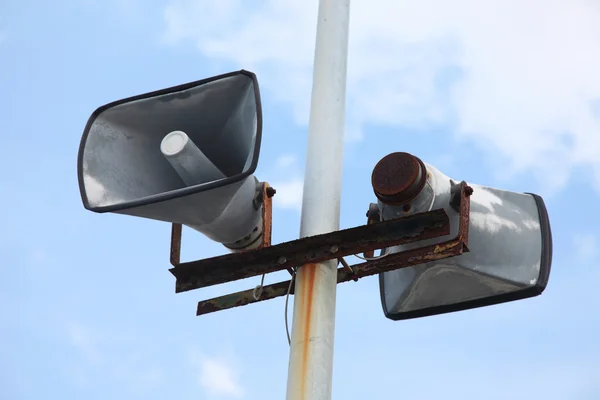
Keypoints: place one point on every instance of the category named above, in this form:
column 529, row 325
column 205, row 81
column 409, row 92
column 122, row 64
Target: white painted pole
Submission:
column 311, row 353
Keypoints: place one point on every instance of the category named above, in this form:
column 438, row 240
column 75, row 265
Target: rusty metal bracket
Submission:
column 376, row 238
column 267, row 193
column 373, row 216
column 231, row 267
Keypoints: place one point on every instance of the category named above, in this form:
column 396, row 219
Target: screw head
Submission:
column 281, row 260
column 334, row 249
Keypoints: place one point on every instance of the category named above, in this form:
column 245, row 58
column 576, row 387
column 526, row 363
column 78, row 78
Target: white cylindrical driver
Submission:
column 190, row 163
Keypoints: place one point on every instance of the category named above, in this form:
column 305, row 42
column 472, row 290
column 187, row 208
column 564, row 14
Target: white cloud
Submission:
column 487, row 199
column 106, row 356
column 85, row 343
column 527, row 70
column 597, row 177
column 218, row 377
column 286, row 161
column 287, row 179
column 96, row 192
column 586, row 246
column 492, row 222
column 289, row 194
column 472, row 378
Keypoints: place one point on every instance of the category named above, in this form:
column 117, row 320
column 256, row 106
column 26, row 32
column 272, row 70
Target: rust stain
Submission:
column 398, row 178
column 312, row 249
column 175, row 256
column 407, row 258
column 445, row 246
column 308, row 292
column 267, row 215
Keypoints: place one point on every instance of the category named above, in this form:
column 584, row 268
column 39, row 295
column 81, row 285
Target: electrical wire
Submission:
column 257, row 292
column 287, row 298
column 432, row 197
column 384, row 252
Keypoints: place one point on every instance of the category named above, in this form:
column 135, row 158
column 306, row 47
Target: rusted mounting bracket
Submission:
column 266, row 197
column 231, row 267
column 334, row 245
column 450, row 248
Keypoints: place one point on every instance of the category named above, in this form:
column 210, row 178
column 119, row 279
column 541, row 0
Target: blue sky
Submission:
column 504, row 94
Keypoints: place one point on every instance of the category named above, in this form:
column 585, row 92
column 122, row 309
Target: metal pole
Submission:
column 311, row 353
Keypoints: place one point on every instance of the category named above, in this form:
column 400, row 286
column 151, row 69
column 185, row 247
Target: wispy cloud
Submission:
column 586, row 245
column 286, row 161
column 518, row 78
column 289, row 194
column 115, row 358
column 218, row 376
column 524, row 380
column 289, row 182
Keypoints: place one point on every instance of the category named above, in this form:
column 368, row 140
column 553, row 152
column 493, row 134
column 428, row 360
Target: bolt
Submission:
column 281, row 260
column 334, row 249
column 270, row 192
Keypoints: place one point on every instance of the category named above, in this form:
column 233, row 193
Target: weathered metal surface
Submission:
column 175, row 244
column 311, row 280
column 373, row 216
column 231, row 267
column 267, row 214
column 402, row 260
column 349, row 269
column 398, row 178
column 267, row 218
column 242, row 298
column 450, row 248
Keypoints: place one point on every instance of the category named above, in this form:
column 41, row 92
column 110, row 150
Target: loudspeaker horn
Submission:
column 510, row 243
column 184, row 154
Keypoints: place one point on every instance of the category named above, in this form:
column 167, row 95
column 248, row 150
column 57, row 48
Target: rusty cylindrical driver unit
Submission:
column 398, row 178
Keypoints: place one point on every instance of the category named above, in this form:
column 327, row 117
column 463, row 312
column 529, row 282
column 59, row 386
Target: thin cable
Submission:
column 346, row 265
column 257, row 292
column 349, row 268
column 287, row 298
column 385, row 253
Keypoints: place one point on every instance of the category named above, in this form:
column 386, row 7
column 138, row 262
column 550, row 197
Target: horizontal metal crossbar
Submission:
column 450, row 248
column 231, row 267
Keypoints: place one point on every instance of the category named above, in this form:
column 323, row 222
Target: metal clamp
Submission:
column 267, row 219
column 377, row 235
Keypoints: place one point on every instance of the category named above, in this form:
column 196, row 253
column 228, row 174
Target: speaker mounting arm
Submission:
column 265, row 197
column 334, row 245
